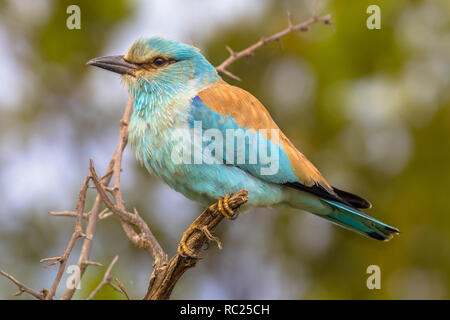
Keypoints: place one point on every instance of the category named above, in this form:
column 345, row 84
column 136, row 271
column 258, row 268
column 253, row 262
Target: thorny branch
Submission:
column 107, row 280
column 250, row 51
column 145, row 239
column 23, row 288
column 77, row 233
column 166, row 272
column 96, row 212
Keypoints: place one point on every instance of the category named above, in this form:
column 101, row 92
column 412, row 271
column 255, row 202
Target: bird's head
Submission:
column 155, row 64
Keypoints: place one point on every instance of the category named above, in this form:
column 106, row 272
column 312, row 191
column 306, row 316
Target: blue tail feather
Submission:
column 357, row 221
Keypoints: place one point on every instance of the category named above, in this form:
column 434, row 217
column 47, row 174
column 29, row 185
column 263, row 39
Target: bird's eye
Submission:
column 159, row 62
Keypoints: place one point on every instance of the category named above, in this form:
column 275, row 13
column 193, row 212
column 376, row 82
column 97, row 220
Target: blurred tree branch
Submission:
column 96, row 212
column 250, row 51
column 166, row 272
column 23, row 288
column 107, row 280
column 77, row 233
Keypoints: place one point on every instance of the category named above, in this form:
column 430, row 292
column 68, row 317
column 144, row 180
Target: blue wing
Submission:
column 255, row 148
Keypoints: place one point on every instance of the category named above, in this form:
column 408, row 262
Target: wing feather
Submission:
column 231, row 103
column 249, row 113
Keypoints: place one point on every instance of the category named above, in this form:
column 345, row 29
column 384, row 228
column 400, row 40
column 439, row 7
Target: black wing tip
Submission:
column 317, row 190
column 355, row 201
column 344, row 197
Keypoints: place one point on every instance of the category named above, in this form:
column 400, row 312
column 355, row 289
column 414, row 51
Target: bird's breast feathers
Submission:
column 157, row 122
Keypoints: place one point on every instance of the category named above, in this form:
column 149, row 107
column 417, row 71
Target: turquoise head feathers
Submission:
column 166, row 68
column 156, row 68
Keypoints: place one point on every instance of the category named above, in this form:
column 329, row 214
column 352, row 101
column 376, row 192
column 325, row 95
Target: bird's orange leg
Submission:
column 183, row 249
column 223, row 207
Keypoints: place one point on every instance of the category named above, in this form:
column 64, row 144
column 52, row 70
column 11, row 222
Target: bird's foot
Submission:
column 224, row 208
column 183, row 250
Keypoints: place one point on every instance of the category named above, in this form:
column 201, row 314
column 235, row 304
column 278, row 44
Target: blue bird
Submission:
column 207, row 139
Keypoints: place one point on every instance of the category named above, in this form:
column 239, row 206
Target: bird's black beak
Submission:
column 115, row 64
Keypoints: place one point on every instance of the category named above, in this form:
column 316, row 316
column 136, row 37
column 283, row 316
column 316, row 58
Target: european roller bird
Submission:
column 175, row 89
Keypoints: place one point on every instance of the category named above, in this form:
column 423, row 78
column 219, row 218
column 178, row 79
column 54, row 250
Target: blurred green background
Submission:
column 369, row 107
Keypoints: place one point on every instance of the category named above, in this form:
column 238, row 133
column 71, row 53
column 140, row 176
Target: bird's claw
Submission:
column 183, row 249
column 234, row 216
column 224, row 208
column 185, row 252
